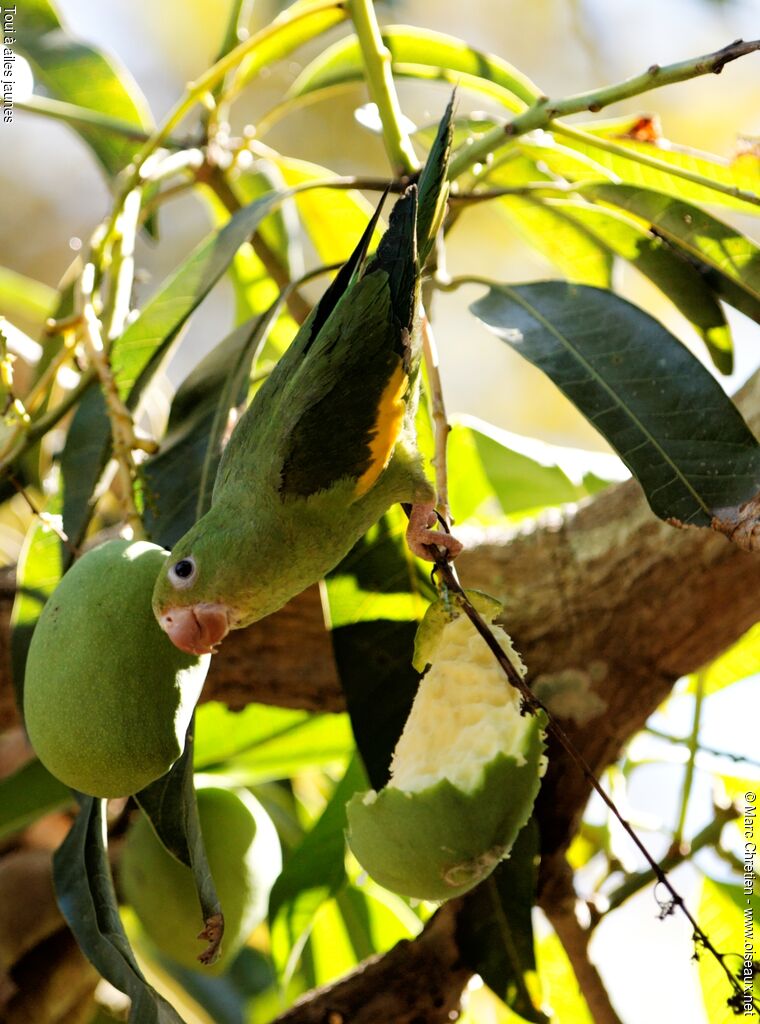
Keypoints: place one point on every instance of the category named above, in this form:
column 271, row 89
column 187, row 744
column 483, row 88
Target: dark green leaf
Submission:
column 376, row 597
column 669, row 420
column 458, row 60
column 495, row 930
column 675, row 276
column 313, row 873
column 171, row 806
column 180, row 478
column 84, row 457
column 703, row 237
column 85, row 893
column 28, row 794
column 40, row 567
column 80, row 74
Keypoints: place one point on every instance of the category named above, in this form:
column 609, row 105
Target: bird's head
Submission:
column 188, row 598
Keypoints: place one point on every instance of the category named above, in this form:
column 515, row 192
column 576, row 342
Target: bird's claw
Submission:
column 421, row 537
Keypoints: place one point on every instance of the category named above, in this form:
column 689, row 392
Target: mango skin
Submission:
column 440, row 842
column 244, row 855
column 107, row 696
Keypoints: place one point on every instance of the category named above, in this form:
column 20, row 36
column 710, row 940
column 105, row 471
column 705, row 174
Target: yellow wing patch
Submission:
column 390, row 416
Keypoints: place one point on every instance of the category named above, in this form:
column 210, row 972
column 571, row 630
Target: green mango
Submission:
column 244, row 856
column 107, row 696
column 465, row 772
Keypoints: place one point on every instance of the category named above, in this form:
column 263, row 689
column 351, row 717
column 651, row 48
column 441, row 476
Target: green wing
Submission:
column 344, row 408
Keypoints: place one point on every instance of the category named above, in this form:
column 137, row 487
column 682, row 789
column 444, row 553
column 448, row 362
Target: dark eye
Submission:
column 183, row 572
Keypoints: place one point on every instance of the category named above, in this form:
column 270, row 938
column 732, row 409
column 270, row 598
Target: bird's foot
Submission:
column 420, row 535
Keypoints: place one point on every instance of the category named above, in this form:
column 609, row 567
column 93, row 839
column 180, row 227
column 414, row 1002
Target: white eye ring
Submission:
column 183, row 573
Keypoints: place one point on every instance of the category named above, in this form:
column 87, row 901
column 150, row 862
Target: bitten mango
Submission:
column 465, row 772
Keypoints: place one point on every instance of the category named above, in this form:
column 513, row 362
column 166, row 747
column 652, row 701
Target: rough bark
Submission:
column 418, row 982
column 609, row 607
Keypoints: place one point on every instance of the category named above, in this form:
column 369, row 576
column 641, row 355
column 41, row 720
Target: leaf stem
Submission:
column 589, row 139
column 688, row 778
column 122, row 427
column 71, row 113
column 544, row 111
column 382, row 91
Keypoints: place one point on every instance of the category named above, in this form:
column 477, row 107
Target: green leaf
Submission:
column 481, row 71
column 567, row 243
column 562, row 160
column 84, row 457
column 376, row 597
column 334, row 219
column 86, row 897
column 180, row 478
column 735, row 174
column 701, row 236
column 300, row 26
column 675, row 276
column 723, row 912
column 486, row 476
column 171, row 806
column 39, row 569
column 28, row 794
column 80, row 74
column 22, row 296
column 669, row 420
column 260, row 742
column 313, row 873
column 495, row 930
column 740, row 661
column 559, row 983
column 137, row 353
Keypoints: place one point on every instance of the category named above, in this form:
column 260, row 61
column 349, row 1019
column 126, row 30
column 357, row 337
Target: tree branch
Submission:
column 419, row 980
column 545, row 110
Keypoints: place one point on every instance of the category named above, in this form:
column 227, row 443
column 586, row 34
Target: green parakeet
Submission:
column 326, row 446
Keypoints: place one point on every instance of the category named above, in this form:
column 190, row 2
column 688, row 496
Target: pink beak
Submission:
column 196, row 629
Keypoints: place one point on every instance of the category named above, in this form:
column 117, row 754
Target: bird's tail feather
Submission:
column 433, row 185
column 351, row 269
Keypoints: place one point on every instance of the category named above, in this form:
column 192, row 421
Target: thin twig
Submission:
column 531, row 704
column 441, row 426
column 712, row 751
column 122, row 427
column 543, row 113
column 677, row 854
